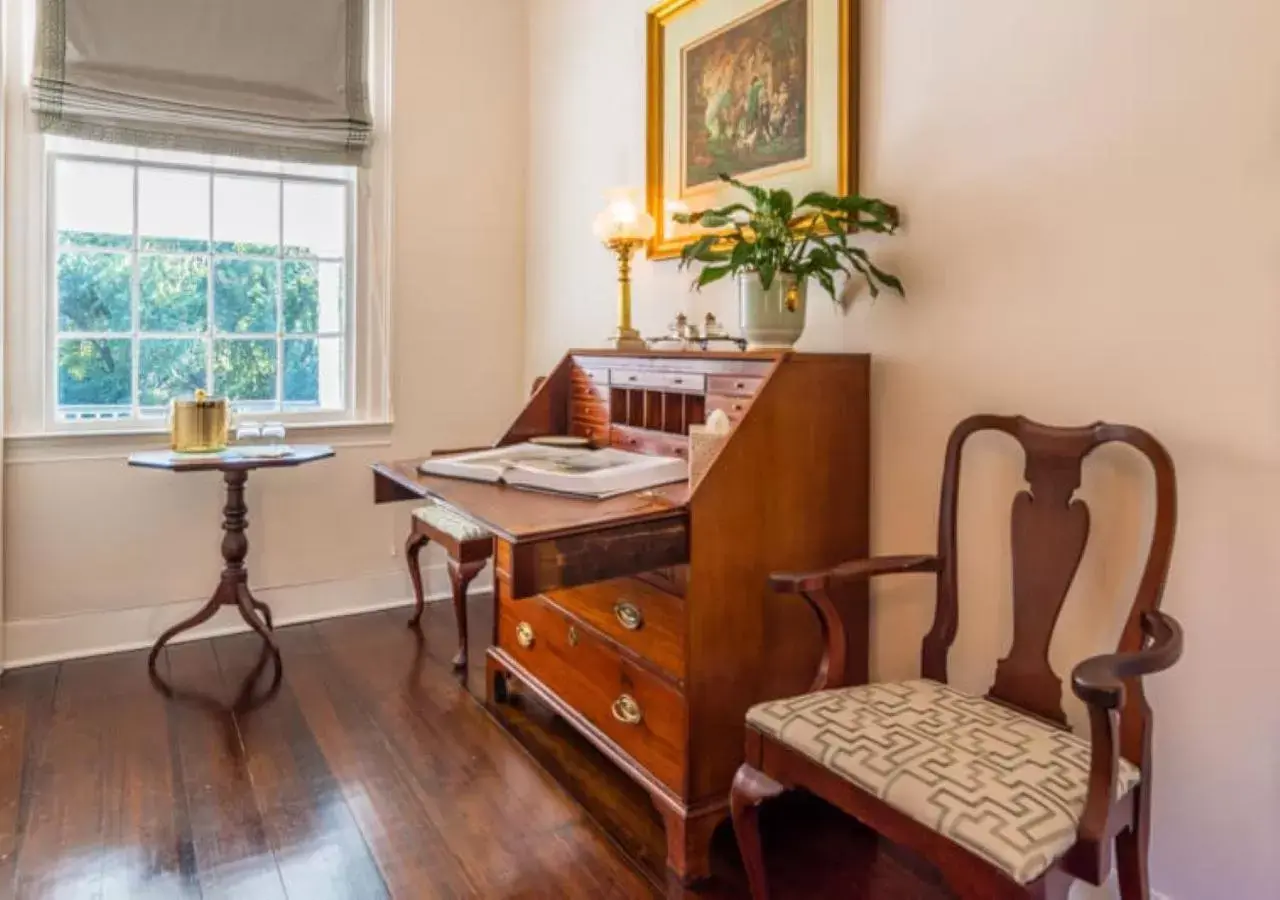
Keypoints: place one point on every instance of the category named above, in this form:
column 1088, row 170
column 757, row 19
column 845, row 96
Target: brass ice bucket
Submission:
column 199, row 425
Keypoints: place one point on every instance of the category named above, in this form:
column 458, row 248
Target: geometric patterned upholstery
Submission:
column 454, row 524
column 1007, row 787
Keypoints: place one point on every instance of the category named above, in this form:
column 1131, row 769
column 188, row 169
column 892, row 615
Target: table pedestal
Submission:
column 233, row 589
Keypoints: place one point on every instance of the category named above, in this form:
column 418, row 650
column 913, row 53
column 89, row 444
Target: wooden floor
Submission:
column 372, row 772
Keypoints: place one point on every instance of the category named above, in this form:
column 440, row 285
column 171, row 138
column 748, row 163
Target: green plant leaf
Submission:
column 783, row 204
column 691, row 252
column 821, row 200
column 741, row 255
column 828, row 284
column 836, row 226
column 758, row 194
column 890, row 281
column 710, row 275
column 767, row 271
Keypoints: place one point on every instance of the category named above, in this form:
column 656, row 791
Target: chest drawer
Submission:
column 687, row 382
column 634, row 708
column 733, row 407
column 643, row 619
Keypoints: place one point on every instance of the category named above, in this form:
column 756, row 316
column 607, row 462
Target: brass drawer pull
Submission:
column 629, row 615
column 524, row 635
column 573, row 636
column 627, row 711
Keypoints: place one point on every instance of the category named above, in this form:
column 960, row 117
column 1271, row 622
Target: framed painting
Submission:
column 763, row 90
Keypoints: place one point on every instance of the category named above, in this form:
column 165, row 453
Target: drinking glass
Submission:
column 273, row 433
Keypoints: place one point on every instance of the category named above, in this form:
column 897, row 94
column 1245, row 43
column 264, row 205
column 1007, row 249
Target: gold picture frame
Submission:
column 837, row 120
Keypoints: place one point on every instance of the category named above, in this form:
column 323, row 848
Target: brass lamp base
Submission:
column 628, row 339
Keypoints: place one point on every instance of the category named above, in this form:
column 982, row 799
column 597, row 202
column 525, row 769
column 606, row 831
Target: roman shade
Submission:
column 272, row 79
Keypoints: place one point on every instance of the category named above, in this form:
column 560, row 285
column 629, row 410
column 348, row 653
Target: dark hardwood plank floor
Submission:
column 373, row 772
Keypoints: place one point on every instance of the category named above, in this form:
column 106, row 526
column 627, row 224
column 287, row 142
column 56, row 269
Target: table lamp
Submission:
column 623, row 227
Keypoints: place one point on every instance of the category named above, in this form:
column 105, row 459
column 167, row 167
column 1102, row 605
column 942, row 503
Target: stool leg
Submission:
column 461, row 575
column 412, row 547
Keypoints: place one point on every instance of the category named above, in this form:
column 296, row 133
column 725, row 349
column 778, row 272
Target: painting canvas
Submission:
column 746, row 97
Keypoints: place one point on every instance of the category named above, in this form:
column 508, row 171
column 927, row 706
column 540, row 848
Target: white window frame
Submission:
column 283, row 175
column 31, row 253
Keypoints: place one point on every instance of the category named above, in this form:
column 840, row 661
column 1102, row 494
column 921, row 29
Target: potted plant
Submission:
column 773, row 246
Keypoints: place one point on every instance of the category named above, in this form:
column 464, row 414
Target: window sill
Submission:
column 78, row 446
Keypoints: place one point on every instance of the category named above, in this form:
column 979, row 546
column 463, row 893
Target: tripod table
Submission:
column 233, row 589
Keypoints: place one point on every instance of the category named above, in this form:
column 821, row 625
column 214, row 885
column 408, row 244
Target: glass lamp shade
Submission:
column 623, row 220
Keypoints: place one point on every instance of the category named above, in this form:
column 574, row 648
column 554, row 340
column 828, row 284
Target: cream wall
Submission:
column 1090, row 191
column 98, row 555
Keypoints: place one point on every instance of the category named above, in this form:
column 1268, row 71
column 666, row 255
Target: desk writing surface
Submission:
column 517, row 515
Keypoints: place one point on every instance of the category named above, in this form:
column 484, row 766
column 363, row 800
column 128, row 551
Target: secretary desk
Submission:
column 646, row 620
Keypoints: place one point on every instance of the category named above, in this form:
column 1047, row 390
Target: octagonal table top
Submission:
column 233, row 458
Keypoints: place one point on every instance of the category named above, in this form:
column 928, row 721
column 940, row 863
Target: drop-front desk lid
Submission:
column 557, row 541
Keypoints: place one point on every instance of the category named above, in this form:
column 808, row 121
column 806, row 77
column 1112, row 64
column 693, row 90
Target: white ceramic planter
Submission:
column 772, row 319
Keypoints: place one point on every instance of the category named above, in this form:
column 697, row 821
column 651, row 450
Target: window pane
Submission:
column 245, row 370
column 173, row 293
column 95, row 372
column 315, row 219
column 173, row 210
column 312, row 297
column 313, row 373
column 94, row 204
column 168, row 369
column 246, row 215
column 244, row 295
column 94, row 290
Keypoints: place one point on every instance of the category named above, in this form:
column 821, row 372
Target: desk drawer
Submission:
column 647, row 441
column 733, row 385
column 636, row 709
column 687, row 382
column 733, row 407
column 547, row 564
column 643, row 619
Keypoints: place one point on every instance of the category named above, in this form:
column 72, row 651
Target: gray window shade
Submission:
column 273, row 79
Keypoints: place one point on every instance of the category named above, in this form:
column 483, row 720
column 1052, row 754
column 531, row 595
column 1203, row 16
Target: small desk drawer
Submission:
column 687, row 382
column 643, row 619
column 733, row 385
column 636, row 709
column 599, row 377
column 733, row 407
column 653, row 443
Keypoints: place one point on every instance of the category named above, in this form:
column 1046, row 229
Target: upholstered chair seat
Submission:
column 451, row 522
column 1007, row 786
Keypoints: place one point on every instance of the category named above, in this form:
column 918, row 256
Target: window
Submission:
column 145, row 274
column 174, row 272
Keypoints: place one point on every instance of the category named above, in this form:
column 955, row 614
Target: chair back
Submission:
column 1050, row 527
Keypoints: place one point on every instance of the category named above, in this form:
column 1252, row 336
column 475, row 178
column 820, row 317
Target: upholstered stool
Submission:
column 467, row 544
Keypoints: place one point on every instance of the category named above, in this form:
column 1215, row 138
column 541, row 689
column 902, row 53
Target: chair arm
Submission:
column 1099, row 681
column 799, row 582
column 815, row 587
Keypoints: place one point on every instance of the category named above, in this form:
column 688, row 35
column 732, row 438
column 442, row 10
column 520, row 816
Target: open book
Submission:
column 583, row 473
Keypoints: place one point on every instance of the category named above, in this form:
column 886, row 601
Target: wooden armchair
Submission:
column 995, row 791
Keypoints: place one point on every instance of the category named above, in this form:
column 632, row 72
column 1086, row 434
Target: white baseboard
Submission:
column 30, row 642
